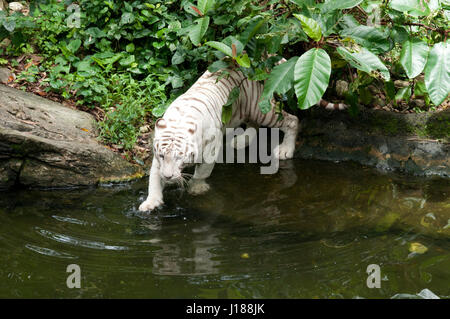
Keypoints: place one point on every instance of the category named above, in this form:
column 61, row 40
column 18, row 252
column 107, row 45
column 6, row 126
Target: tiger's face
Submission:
column 173, row 150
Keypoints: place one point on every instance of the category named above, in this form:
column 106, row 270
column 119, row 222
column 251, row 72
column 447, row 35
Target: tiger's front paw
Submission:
column 150, row 204
column 284, row 152
column 197, row 187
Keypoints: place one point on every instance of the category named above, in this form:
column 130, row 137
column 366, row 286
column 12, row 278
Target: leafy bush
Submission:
column 382, row 40
column 131, row 58
column 115, row 40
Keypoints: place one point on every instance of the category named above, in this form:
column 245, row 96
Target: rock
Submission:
column 401, row 84
column 16, row 6
column 379, row 101
column 418, row 102
column 417, row 144
column 144, row 129
column 4, row 75
column 44, row 144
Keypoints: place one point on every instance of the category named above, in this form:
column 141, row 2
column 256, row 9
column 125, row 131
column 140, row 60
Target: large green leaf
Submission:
column 253, row 27
column 311, row 76
column 198, row 31
column 280, row 79
column 205, row 5
column 414, row 57
column 366, row 61
column 369, row 37
column 340, row 4
column 225, row 49
column 416, row 8
column 310, row 26
column 437, row 72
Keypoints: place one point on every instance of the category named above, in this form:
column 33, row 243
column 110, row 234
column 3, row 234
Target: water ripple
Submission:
column 49, row 252
column 78, row 242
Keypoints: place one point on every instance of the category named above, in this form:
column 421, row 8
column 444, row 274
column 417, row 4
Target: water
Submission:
column 309, row 231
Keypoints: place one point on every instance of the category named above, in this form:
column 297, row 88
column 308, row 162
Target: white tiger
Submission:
column 182, row 134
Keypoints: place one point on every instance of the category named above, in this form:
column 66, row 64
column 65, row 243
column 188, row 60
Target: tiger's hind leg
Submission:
column 289, row 124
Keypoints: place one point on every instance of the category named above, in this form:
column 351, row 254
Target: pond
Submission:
column 309, row 231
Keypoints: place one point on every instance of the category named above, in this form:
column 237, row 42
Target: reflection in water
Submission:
column 308, row 231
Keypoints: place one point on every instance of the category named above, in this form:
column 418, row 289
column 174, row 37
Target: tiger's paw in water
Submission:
column 150, row 204
column 197, row 187
column 284, row 152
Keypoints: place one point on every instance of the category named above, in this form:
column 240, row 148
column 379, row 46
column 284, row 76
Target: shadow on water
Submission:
column 309, row 231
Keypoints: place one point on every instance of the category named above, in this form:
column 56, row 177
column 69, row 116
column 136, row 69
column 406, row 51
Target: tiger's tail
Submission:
column 332, row 106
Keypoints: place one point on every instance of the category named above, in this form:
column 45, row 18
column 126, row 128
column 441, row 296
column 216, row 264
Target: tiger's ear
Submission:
column 160, row 123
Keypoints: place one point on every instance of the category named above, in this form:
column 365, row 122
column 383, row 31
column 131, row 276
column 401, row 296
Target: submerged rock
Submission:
column 45, row 144
column 413, row 143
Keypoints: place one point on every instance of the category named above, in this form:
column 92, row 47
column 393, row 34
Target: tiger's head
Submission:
column 174, row 149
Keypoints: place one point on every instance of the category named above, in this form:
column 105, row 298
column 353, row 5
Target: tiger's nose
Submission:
column 167, row 175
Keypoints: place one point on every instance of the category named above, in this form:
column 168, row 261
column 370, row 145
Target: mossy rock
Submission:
column 45, row 144
column 414, row 143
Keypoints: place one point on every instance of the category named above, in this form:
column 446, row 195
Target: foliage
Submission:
column 383, row 40
column 131, row 58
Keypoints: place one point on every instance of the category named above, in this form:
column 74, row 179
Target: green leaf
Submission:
column 437, row 72
column 311, row 76
column 130, row 48
column 160, row 109
column 414, row 57
column 416, row 8
column 265, row 106
column 127, row 60
column 217, row 66
column 366, row 61
column 369, row 37
column 205, row 5
column 348, row 21
column 9, row 24
column 74, row 45
column 310, row 26
column 178, row 57
column 403, row 94
column 198, row 31
column 227, row 110
column 96, row 32
column 175, row 80
column 230, row 40
column 127, row 18
column 280, row 80
column 84, row 68
column 340, row 4
column 389, row 89
column 243, row 60
column 253, row 27
column 420, row 89
column 233, row 96
column 225, row 49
